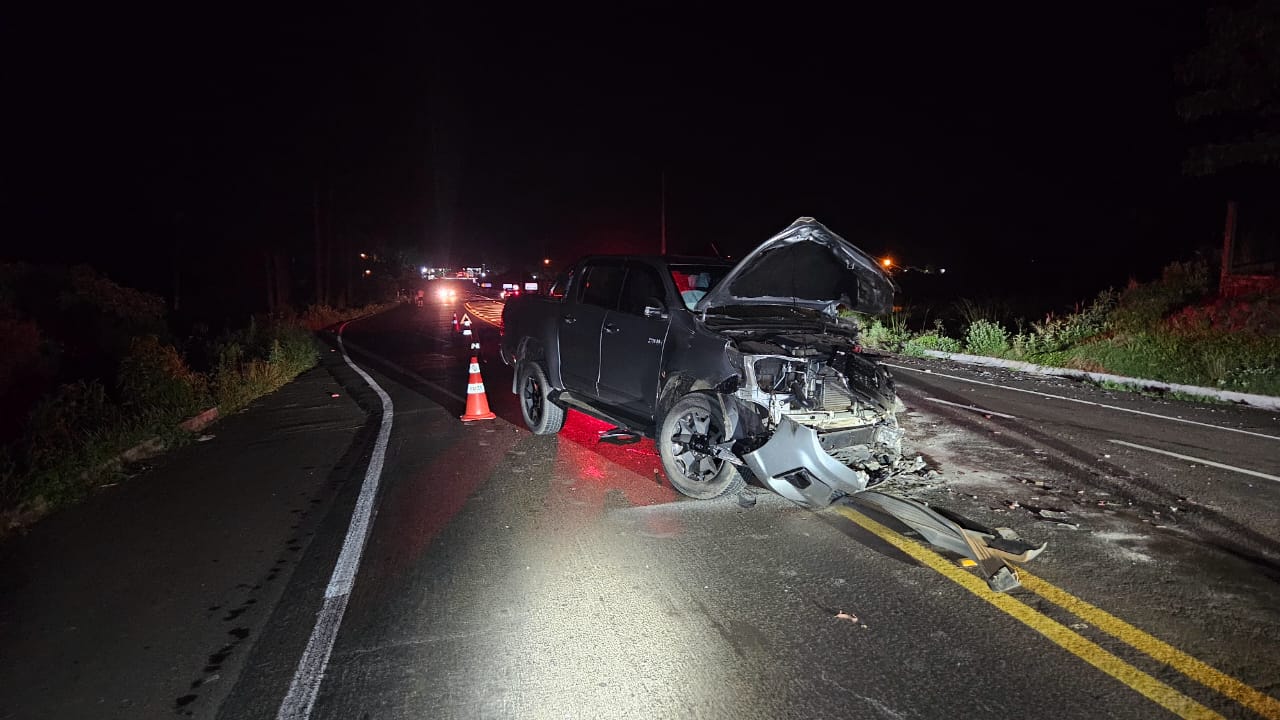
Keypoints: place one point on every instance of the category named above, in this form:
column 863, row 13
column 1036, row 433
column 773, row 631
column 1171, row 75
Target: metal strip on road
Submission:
column 1198, row 670
column 1069, row 640
column 304, row 688
column 1085, row 402
column 1202, row 461
column 974, row 408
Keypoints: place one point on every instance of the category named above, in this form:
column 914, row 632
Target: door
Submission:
column 580, row 321
column 631, row 344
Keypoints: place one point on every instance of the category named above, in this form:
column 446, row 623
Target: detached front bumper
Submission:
column 794, row 464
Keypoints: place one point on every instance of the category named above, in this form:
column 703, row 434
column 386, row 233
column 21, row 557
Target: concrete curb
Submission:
column 1266, row 402
column 152, row 447
column 29, row 513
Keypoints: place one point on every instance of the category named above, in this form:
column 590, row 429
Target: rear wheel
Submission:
column 542, row 416
column 687, row 441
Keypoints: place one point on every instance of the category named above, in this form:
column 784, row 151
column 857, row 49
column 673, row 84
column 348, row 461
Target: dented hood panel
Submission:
column 808, row 266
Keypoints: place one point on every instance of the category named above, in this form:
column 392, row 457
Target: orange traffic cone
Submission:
column 477, row 401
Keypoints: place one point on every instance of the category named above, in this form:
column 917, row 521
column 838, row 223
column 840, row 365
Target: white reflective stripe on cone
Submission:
column 475, row 388
column 475, row 368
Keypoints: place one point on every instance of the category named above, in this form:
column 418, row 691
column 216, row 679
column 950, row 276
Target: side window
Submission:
column 602, row 284
column 562, row 282
column 642, row 287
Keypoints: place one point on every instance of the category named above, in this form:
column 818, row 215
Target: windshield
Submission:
column 693, row 281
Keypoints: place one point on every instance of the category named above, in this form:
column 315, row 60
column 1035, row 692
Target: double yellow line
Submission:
column 1083, row 648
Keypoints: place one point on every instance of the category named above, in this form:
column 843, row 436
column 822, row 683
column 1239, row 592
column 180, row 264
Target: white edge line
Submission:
column 1085, row 402
column 974, row 408
column 304, row 688
column 1202, row 461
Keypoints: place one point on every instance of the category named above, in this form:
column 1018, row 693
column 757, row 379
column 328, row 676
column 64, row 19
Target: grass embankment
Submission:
column 1172, row 329
column 94, row 370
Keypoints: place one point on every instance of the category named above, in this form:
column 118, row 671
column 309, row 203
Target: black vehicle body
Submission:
column 751, row 369
column 766, row 342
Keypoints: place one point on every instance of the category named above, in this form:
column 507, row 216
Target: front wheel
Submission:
column 687, row 441
column 542, row 416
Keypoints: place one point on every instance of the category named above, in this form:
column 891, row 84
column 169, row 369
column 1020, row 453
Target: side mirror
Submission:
column 654, row 308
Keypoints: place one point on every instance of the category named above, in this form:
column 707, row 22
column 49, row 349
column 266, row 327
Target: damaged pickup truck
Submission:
column 736, row 371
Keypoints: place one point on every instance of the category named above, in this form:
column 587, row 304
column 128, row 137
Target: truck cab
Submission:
column 606, row 331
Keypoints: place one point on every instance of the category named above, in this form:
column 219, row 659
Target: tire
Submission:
column 697, row 419
column 542, row 416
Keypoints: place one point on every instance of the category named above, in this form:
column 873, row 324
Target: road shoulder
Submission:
column 145, row 600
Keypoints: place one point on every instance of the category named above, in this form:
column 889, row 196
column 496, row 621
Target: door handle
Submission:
column 611, row 328
column 570, row 319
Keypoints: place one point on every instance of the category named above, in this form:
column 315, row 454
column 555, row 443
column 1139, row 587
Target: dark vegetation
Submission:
column 93, row 368
column 1175, row 329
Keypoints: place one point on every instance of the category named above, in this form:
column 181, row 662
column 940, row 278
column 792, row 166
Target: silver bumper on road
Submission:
column 794, row 465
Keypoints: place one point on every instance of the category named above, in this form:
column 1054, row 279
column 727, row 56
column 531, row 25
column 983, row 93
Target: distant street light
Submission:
column 367, row 273
column 546, row 261
column 887, row 262
column 364, row 256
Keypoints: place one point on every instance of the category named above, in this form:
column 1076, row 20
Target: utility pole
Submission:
column 663, row 212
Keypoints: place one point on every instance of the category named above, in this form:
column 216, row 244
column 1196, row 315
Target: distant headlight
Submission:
column 443, row 293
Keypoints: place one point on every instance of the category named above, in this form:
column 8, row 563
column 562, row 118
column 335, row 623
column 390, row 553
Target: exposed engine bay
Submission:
column 820, row 381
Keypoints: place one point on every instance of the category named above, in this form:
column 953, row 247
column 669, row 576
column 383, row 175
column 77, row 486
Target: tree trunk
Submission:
column 320, row 247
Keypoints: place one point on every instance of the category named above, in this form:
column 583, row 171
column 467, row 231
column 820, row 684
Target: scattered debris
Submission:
column 204, row 438
column 842, row 615
column 746, row 499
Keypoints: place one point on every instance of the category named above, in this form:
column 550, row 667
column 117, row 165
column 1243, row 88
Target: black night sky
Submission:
column 1028, row 152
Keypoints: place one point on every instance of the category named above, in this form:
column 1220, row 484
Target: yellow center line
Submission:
column 1069, row 640
column 1210, row 677
column 489, row 314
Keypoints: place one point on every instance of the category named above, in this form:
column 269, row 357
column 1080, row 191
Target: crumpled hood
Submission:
column 808, row 266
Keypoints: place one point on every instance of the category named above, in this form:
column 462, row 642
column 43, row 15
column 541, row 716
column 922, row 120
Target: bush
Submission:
column 888, row 334
column 917, row 345
column 1057, row 333
column 258, row 360
column 987, row 338
column 70, row 436
column 155, row 382
column 1142, row 306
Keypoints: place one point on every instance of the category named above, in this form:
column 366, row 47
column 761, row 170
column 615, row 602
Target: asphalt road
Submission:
column 508, row 575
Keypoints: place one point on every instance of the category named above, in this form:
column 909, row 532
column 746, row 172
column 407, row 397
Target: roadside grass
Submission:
column 1226, row 361
column 74, row 438
column 1172, row 329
